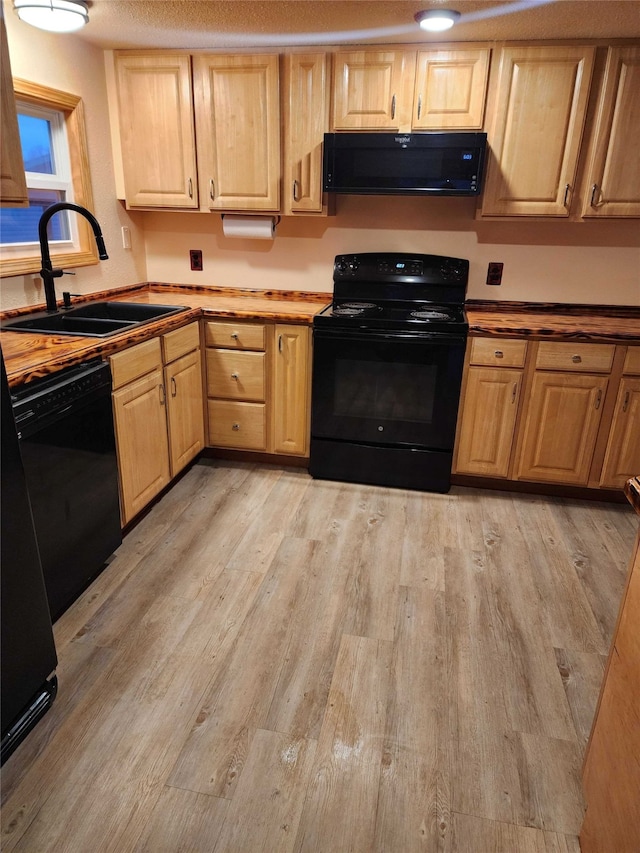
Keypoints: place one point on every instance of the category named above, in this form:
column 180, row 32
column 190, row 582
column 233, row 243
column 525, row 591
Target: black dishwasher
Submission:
column 67, row 442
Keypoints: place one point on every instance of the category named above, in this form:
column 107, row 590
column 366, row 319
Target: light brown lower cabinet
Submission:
column 258, row 386
column 611, row 772
column 158, row 414
column 550, row 412
column 560, row 428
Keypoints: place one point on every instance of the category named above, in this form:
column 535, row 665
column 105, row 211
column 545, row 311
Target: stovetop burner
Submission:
column 416, row 294
column 431, row 315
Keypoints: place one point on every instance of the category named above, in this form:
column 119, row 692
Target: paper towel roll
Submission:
column 249, row 227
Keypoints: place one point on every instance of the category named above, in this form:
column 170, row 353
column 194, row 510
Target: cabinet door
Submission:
column 291, row 383
column 612, row 182
column 183, row 383
column 238, row 130
column 156, row 130
column 141, row 436
column 560, row 428
column 540, row 108
column 13, row 183
column 622, row 457
column 450, row 89
column 306, row 120
column 372, row 89
column 488, row 421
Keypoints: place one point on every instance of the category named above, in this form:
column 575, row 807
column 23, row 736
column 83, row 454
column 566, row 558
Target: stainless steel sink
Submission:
column 95, row 319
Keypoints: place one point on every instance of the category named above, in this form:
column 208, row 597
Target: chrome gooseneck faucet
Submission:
column 47, row 272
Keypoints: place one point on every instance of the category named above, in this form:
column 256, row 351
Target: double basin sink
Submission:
column 95, row 319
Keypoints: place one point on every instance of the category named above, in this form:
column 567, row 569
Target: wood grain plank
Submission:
column 238, row 698
column 271, row 792
column 261, row 540
column 184, row 821
column 349, row 754
column 413, row 801
column 581, row 674
column 478, row 834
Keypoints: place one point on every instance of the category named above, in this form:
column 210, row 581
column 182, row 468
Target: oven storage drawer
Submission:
column 236, row 375
column 230, row 335
column 238, row 425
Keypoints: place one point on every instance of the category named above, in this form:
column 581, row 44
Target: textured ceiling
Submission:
column 273, row 23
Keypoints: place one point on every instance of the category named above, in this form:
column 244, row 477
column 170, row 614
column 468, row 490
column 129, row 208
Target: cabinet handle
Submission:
column 295, row 191
column 625, row 405
column 419, row 105
column 234, row 376
column 190, row 188
column 235, row 336
column 393, row 107
column 174, row 387
column 279, row 343
column 576, row 359
column 212, row 190
column 566, row 194
column 499, row 354
column 163, row 396
column 598, row 398
column 514, row 392
column 235, row 427
column 594, row 190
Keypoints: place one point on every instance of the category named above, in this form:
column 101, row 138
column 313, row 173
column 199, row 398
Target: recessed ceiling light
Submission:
column 56, row 16
column 437, row 20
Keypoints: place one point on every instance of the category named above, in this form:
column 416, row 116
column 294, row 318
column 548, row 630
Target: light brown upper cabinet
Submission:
column 399, row 90
column 306, row 119
column 612, row 178
column 13, row 184
column 238, row 131
column 372, row 89
column 538, row 119
column 156, row 130
column 450, row 89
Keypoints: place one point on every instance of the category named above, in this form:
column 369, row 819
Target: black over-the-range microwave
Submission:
column 428, row 164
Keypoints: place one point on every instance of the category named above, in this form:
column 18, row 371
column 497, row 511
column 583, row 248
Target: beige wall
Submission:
column 66, row 62
column 543, row 261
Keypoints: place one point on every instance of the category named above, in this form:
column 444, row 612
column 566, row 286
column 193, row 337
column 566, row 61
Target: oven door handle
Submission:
column 389, row 337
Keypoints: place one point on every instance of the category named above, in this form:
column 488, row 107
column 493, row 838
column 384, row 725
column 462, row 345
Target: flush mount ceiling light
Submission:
column 437, row 20
column 56, row 16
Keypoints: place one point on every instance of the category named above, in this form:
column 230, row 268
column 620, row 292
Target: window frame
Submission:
column 14, row 262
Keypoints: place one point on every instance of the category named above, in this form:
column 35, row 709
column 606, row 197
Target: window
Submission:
column 51, row 125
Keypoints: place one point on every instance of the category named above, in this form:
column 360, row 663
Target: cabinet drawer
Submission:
column 135, row 362
column 234, row 335
column 179, row 342
column 240, row 425
column 596, row 358
column 498, row 353
column 632, row 360
column 236, row 375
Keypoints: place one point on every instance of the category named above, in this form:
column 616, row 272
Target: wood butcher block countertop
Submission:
column 29, row 356
column 545, row 321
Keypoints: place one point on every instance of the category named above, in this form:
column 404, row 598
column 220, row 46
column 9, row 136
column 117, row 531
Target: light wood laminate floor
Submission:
column 274, row 663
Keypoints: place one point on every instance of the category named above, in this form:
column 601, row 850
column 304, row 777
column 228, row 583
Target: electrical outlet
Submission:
column 195, row 255
column 494, row 273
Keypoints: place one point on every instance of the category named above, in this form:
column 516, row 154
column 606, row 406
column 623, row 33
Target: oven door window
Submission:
column 387, row 390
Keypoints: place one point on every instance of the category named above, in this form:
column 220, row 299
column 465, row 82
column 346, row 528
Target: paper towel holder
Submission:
column 276, row 217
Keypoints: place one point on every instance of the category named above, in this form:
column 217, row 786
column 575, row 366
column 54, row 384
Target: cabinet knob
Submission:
column 499, row 354
column 235, row 336
column 234, row 376
column 576, row 359
column 235, row 427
